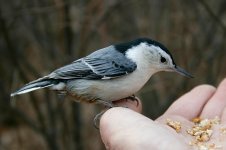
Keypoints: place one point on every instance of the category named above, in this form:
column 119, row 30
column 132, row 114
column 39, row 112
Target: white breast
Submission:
column 122, row 87
column 111, row 90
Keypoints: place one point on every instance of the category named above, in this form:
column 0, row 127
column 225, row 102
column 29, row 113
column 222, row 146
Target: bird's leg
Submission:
column 96, row 119
column 108, row 104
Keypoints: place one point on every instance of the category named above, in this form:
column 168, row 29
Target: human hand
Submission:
column 124, row 129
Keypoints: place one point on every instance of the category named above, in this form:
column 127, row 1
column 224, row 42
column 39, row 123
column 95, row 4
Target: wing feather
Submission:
column 95, row 67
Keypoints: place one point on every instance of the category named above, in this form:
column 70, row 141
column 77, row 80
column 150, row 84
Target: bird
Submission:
column 109, row 74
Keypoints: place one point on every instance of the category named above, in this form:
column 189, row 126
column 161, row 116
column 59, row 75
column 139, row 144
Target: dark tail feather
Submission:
column 35, row 85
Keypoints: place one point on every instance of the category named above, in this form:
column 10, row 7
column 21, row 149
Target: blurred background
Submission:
column 38, row 36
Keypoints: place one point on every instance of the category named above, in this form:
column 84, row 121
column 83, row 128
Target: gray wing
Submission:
column 103, row 64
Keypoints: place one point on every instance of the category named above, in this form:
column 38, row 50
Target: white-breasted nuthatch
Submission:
column 109, row 74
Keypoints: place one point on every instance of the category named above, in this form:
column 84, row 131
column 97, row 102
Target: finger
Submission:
column 217, row 103
column 191, row 104
column 135, row 105
column 114, row 123
column 124, row 129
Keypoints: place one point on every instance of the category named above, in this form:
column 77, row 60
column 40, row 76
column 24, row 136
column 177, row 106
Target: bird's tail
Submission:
column 35, row 85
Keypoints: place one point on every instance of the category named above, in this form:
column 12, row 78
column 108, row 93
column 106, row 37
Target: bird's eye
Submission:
column 163, row 59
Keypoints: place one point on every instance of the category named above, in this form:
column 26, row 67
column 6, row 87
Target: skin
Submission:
column 123, row 129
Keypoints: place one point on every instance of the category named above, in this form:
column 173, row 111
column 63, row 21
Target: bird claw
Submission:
column 96, row 120
column 133, row 98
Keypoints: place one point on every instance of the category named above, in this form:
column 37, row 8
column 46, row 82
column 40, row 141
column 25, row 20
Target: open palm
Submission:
column 124, row 129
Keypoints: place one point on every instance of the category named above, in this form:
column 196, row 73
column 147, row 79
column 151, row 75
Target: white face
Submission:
column 151, row 56
column 160, row 59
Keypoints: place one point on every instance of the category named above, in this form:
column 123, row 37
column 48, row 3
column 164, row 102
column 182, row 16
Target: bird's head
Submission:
column 147, row 53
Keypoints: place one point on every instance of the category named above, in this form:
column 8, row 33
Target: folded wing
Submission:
column 94, row 68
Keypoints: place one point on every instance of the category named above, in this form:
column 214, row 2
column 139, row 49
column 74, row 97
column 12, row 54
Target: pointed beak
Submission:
column 182, row 72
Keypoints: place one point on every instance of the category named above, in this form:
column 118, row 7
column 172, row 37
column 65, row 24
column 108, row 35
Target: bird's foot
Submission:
column 96, row 120
column 109, row 105
column 133, row 98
